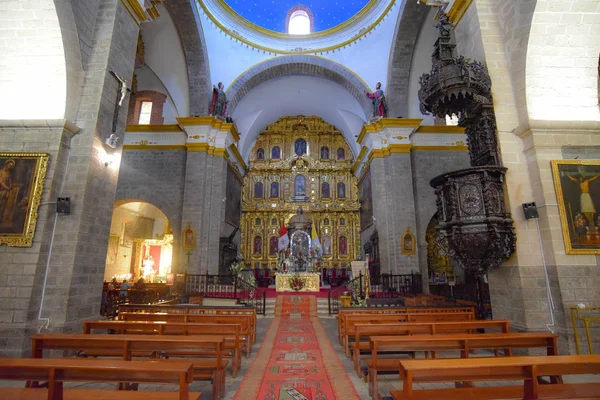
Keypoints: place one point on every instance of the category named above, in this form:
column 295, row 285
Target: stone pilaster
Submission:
column 208, row 141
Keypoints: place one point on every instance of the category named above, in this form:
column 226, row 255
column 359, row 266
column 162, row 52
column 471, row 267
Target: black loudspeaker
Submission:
column 63, row 205
column 530, row 210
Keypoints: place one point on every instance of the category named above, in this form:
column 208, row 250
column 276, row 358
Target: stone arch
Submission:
column 191, row 35
column 399, row 70
column 298, row 65
column 73, row 56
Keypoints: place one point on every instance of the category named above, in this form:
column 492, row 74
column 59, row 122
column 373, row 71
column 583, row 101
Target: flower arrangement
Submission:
column 296, row 282
column 236, row 267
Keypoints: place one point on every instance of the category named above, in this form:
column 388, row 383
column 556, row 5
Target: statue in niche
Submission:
column 218, row 104
column 258, row 190
column 300, row 147
column 324, row 153
column 342, row 221
column 326, row 221
column 341, row 154
column 274, row 190
column 325, row 191
column 257, row 245
column 327, row 245
column 300, row 188
column 273, row 242
column 276, row 153
column 343, row 245
column 379, row 103
column 341, row 190
column 260, row 154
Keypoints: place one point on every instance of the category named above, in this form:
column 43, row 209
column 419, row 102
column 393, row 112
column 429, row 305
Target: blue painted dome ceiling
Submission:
column 271, row 14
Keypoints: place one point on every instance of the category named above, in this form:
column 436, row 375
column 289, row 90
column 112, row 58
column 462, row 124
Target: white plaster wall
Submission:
column 164, row 55
column 147, row 80
column 33, row 74
column 367, row 58
column 295, row 95
column 228, row 58
column 421, row 64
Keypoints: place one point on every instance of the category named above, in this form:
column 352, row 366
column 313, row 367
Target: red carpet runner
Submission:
column 296, row 360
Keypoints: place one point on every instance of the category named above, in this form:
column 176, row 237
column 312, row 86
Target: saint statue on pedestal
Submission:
column 218, row 104
column 379, row 103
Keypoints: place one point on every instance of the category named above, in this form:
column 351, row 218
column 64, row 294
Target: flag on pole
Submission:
column 284, row 240
column 314, row 241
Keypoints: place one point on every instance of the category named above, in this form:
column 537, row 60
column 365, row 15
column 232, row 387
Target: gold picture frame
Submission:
column 188, row 238
column 408, row 243
column 577, row 186
column 22, row 177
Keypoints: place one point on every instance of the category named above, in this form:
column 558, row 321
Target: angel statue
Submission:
column 218, row 104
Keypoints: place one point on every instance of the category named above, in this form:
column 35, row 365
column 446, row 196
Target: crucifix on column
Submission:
column 121, row 94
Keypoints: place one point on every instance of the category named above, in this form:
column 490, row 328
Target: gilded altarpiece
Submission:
column 300, row 162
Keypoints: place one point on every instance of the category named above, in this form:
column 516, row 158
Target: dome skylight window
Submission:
column 299, row 21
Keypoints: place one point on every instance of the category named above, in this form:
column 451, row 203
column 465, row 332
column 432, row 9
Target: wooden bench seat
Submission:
column 352, row 320
column 231, row 333
column 195, row 310
column 57, row 371
column 243, row 320
column 211, row 367
column 343, row 312
column 364, row 331
column 527, row 369
column 463, row 343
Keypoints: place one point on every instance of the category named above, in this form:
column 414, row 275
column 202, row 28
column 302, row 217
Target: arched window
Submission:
column 260, row 154
column 276, row 153
column 299, row 21
column 341, row 154
column 258, row 190
column 324, row 153
column 300, row 147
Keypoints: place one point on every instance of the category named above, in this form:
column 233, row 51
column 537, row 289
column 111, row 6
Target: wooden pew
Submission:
column 231, row 333
column 463, row 343
column 245, row 321
column 352, row 320
column 194, row 309
column 343, row 312
column 528, row 369
column 365, row 331
column 57, row 371
column 212, row 368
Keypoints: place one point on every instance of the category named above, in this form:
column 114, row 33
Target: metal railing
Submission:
column 392, row 286
column 225, row 287
column 250, row 295
column 409, row 284
column 352, row 287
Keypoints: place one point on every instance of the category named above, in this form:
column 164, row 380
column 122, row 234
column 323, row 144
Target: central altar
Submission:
column 312, row 282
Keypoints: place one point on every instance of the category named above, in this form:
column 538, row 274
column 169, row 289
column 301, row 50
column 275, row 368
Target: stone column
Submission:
column 205, row 188
column 57, row 283
column 389, row 163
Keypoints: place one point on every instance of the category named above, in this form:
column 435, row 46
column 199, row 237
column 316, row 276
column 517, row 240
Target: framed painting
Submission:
column 22, row 178
column 577, row 185
column 188, row 240
column 407, row 243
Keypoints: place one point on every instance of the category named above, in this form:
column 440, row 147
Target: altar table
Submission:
column 312, row 282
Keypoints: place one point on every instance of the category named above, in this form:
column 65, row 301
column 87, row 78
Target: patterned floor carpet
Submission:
column 296, row 360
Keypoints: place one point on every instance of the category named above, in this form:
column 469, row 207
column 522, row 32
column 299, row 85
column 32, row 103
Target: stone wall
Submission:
column 22, row 269
column 426, row 165
column 156, row 177
column 394, row 210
